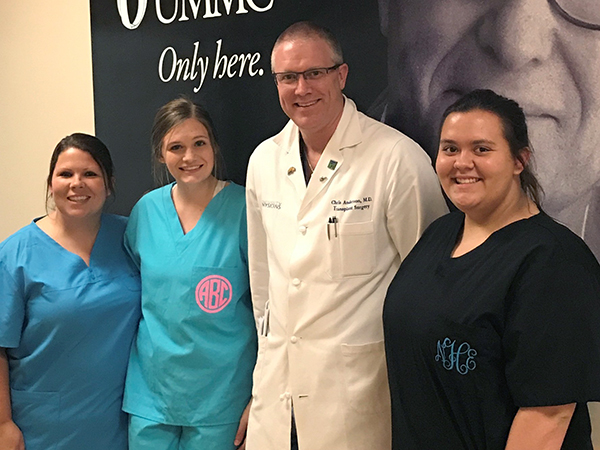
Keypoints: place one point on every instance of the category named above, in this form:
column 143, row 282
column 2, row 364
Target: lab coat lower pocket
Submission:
column 365, row 374
column 352, row 250
column 37, row 414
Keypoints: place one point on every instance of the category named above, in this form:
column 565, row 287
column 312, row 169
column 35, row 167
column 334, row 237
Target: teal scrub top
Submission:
column 192, row 361
column 67, row 329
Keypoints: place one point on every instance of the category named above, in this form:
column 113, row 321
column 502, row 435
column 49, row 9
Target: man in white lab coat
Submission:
column 335, row 201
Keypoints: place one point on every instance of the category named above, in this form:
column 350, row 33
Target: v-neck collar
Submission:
column 52, row 242
column 173, row 217
column 473, row 253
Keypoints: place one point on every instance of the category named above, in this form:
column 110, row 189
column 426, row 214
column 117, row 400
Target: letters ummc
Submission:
column 181, row 9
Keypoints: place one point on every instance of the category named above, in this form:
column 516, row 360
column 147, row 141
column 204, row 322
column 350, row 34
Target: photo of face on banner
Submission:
column 545, row 54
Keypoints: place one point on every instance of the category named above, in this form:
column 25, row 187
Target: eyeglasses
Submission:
column 583, row 13
column 290, row 78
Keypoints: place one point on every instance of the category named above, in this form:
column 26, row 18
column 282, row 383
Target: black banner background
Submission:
column 128, row 89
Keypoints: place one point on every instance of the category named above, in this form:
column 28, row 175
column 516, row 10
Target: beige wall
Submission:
column 45, row 94
column 595, row 412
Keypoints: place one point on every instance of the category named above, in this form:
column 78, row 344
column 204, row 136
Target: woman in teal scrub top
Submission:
column 69, row 308
column 190, row 374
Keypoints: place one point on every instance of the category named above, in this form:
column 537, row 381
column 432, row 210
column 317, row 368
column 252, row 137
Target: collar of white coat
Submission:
column 347, row 134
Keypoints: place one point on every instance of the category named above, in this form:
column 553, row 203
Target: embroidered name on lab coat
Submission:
column 354, row 204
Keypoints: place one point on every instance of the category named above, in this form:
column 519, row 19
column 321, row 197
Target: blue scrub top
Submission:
column 192, row 361
column 68, row 330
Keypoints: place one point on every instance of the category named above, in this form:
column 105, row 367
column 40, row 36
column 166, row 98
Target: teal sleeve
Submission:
column 130, row 237
column 244, row 237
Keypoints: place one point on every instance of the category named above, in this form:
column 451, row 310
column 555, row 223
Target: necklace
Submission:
column 304, row 153
column 312, row 169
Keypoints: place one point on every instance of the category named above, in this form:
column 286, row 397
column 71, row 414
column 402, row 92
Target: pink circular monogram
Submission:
column 213, row 293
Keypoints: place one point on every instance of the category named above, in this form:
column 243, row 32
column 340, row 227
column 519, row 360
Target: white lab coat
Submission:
column 318, row 288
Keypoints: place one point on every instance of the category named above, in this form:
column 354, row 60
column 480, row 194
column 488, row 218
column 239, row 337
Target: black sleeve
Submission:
column 552, row 330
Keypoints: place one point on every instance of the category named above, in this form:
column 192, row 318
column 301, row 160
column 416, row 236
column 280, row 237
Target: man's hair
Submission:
column 310, row 30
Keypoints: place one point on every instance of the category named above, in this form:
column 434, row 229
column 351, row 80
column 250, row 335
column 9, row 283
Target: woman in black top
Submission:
column 492, row 323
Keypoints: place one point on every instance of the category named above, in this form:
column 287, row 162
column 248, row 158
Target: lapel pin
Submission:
column 322, row 179
column 332, row 164
column 291, row 170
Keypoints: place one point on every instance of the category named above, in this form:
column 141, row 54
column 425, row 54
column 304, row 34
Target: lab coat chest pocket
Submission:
column 352, row 250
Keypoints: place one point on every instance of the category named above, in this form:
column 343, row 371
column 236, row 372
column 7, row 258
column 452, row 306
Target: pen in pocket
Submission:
column 332, row 222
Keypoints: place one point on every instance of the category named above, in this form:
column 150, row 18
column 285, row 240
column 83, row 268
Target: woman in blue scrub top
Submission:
column 190, row 374
column 69, row 308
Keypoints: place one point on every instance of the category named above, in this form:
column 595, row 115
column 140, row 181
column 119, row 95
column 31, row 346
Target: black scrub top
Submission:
column 513, row 323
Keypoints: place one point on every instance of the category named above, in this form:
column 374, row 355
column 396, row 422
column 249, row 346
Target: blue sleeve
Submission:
column 12, row 308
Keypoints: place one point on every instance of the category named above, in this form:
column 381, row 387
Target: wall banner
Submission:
column 217, row 52
column 409, row 59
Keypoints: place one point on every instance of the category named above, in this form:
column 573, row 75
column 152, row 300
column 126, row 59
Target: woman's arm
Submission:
column 10, row 435
column 240, row 437
column 540, row 428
